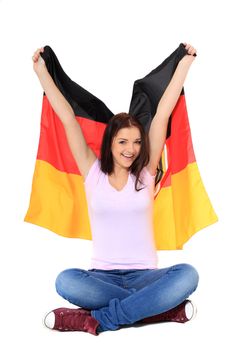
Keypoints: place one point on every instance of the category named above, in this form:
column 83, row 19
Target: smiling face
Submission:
column 127, row 142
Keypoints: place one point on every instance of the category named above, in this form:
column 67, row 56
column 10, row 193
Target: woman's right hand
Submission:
column 38, row 62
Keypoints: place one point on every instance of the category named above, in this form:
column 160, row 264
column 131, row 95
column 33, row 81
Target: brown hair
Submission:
column 117, row 122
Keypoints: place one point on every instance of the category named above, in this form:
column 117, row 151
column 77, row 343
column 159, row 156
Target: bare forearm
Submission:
column 173, row 90
column 58, row 102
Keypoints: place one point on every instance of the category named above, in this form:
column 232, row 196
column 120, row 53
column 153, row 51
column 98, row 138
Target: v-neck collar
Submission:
column 123, row 189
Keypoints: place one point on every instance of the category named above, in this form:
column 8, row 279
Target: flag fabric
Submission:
column 58, row 200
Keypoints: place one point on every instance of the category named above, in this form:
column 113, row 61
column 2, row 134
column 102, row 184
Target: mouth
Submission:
column 127, row 158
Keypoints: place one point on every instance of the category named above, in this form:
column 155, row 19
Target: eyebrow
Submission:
column 120, row 138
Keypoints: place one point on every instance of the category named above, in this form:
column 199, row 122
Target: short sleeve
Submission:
column 93, row 173
column 148, row 173
column 150, row 180
column 92, row 176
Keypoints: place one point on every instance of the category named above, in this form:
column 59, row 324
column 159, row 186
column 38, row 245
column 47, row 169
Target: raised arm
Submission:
column 82, row 153
column 173, row 90
column 158, row 127
column 58, row 102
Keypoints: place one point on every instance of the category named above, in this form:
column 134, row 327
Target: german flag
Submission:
column 58, row 200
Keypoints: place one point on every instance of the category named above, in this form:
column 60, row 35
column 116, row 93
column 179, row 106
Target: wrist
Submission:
column 187, row 60
column 41, row 70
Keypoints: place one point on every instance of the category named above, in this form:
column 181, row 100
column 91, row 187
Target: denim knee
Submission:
column 64, row 279
column 192, row 276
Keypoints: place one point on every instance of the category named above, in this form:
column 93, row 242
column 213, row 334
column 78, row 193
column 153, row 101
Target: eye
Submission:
column 136, row 142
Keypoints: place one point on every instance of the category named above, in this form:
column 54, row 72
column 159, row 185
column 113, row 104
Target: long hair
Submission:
column 117, row 122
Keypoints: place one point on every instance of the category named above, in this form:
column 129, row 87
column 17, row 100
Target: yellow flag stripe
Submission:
column 181, row 212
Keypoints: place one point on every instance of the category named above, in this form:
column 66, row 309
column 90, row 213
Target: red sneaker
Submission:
column 181, row 313
column 64, row 319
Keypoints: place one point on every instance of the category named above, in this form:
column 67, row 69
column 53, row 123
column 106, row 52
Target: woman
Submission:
column 124, row 285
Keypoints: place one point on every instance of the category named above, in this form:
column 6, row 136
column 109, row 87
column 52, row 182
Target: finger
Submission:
column 192, row 51
column 189, row 49
column 35, row 57
column 37, row 53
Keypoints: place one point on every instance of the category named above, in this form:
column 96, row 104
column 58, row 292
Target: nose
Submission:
column 130, row 149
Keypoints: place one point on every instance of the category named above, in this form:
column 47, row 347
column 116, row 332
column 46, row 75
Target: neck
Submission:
column 119, row 171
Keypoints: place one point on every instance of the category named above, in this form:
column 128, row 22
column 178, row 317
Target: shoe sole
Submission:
column 43, row 320
column 194, row 310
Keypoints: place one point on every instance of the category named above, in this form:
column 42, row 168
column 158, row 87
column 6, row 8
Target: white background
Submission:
column 104, row 46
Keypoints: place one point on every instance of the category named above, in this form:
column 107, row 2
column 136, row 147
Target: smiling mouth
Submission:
column 127, row 158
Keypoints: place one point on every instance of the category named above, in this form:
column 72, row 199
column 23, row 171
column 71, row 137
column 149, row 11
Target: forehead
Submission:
column 128, row 133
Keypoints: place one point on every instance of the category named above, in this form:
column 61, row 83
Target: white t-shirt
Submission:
column 121, row 221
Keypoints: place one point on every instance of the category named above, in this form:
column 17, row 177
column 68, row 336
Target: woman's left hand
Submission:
column 191, row 50
column 189, row 58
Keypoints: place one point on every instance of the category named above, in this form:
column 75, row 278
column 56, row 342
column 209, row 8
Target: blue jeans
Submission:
column 123, row 297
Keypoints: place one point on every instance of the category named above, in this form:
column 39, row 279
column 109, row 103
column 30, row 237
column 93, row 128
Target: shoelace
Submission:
column 71, row 320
